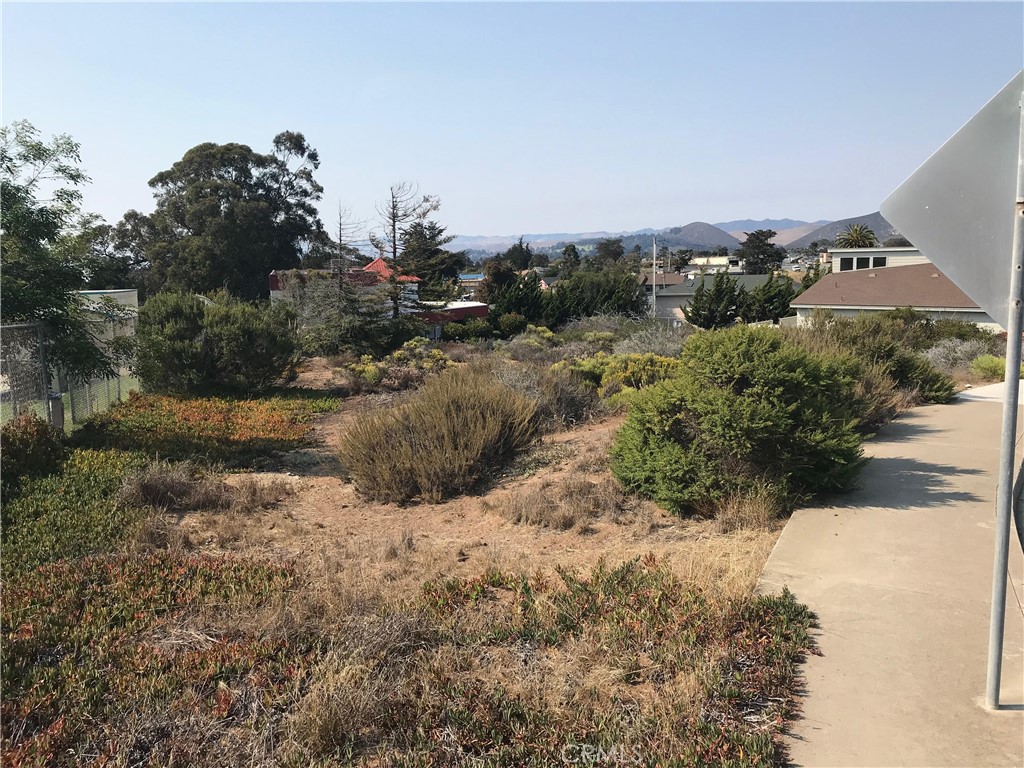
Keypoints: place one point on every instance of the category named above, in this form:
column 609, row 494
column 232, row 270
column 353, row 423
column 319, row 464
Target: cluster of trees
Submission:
column 225, row 216
column 583, row 288
column 725, row 300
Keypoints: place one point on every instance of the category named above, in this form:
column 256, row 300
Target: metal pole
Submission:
column 1004, row 497
column 44, row 373
column 654, row 279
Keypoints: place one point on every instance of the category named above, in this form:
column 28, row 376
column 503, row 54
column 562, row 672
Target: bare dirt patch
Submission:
column 324, row 521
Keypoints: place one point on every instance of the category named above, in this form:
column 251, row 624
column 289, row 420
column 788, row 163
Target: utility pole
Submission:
column 654, row 278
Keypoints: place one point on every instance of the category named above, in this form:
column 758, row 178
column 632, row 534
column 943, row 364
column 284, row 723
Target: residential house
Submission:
column 729, row 263
column 920, row 286
column 675, row 291
column 289, row 285
column 853, row 259
column 436, row 313
column 469, row 282
column 283, row 282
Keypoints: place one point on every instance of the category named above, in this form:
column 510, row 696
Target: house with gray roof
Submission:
column 675, row 291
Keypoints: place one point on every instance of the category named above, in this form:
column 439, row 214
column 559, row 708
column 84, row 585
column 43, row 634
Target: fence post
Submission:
column 55, row 410
column 44, row 375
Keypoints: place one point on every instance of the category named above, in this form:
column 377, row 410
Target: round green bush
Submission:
column 511, row 324
column 748, row 408
column 190, row 346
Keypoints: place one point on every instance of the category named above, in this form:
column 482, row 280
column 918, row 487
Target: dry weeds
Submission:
column 570, row 502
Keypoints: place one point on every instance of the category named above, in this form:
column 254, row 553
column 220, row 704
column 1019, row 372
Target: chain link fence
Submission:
column 83, row 400
column 28, row 386
column 24, row 381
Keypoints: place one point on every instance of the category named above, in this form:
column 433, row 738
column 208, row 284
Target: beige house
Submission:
column 853, row 259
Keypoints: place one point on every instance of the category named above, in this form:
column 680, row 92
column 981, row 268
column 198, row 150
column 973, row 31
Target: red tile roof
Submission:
column 385, row 271
column 919, row 285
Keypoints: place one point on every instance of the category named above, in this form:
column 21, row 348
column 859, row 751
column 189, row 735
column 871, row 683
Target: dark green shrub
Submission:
column 250, row 347
column 473, row 328
column 171, row 356
column 585, row 293
column 187, row 345
column 890, row 340
column 748, row 408
column 511, row 324
column 444, row 440
column 29, row 447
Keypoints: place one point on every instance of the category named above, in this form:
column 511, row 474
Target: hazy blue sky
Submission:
column 523, row 117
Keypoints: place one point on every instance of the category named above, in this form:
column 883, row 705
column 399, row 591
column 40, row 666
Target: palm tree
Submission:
column 857, row 236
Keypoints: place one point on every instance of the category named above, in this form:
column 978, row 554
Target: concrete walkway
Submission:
column 900, row 575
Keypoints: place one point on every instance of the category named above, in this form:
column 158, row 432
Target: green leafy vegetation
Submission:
column 69, row 514
column 40, row 201
column 714, row 307
column 226, row 216
column 623, row 375
column 747, row 409
column 857, row 236
column 758, row 254
column 168, row 658
column 989, row 367
column 91, row 667
column 188, row 345
column 404, row 368
column 894, row 342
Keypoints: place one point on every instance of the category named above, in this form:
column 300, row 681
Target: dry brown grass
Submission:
column 757, row 508
column 219, row 510
column 385, row 668
column 571, row 502
column 183, row 487
column 725, row 566
column 443, row 441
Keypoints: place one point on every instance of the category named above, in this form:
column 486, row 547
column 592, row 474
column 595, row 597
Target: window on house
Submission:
column 846, row 264
column 863, row 262
column 878, row 261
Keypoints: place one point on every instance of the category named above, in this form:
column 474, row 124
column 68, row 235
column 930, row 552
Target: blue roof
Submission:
column 472, row 276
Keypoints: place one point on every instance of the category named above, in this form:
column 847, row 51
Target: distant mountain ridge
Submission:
column 698, row 235
column 749, row 225
column 793, row 234
column 874, row 221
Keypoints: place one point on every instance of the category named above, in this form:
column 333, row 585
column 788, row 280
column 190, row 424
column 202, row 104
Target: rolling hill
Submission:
column 698, row 235
column 779, row 225
column 875, row 221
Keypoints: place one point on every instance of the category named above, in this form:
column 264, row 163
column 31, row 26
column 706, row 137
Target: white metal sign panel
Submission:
column 958, row 207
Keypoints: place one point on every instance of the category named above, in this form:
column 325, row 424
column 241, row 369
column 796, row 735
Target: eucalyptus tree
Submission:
column 226, row 216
